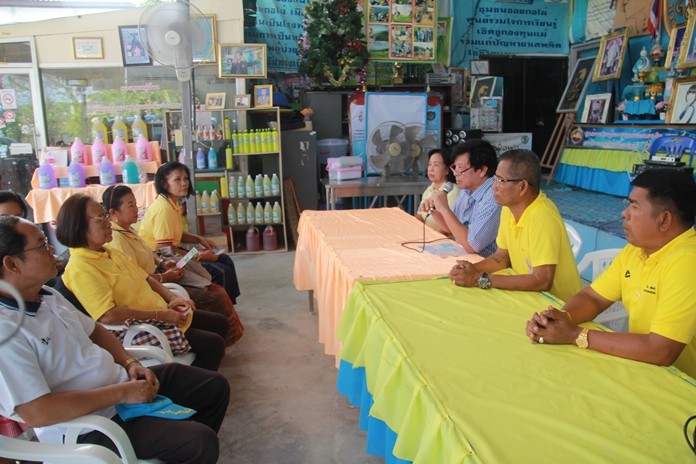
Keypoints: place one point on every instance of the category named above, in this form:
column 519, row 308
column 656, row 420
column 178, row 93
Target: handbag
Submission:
column 195, row 276
column 177, row 340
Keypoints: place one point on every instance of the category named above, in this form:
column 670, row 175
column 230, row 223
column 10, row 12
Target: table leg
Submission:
column 311, row 301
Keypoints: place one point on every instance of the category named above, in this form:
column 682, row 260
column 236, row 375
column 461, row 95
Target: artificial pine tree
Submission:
column 332, row 47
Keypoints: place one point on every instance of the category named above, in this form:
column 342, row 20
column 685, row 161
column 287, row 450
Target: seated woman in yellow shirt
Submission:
column 113, row 289
column 119, row 201
column 439, row 172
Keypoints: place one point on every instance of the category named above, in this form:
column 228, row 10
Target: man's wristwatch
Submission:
column 582, row 341
column 484, row 282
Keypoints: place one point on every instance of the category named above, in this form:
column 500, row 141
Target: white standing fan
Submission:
column 168, row 32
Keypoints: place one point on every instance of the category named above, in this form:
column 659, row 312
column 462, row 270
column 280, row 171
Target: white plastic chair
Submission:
column 615, row 316
column 162, row 354
column 575, row 240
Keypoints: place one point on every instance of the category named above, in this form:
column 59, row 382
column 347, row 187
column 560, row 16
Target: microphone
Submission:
column 447, row 188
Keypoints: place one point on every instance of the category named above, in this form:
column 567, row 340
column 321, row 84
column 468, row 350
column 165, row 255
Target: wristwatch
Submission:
column 484, row 282
column 582, row 341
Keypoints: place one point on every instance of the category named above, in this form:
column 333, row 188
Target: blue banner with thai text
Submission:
column 279, row 26
column 491, row 27
column 632, row 138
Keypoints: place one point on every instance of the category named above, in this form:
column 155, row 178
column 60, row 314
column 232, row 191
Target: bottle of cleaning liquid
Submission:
column 47, row 176
column 275, row 185
column 200, row 158
column 231, row 215
column 258, row 213
column 130, row 172
column 107, row 173
column 250, row 186
column 142, row 149
column 76, row 174
column 98, row 151
column 236, row 143
column 198, row 203
column 250, row 213
column 258, row 186
column 98, row 132
column 228, row 157
column 227, row 129
column 182, row 156
column 119, row 128
column 246, row 145
column 270, row 239
column 224, row 189
column 118, row 150
column 232, row 187
column 205, row 202
column 241, row 187
column 241, row 213
column 277, row 213
column 275, row 144
column 139, row 128
column 268, row 213
column 215, row 202
column 78, row 152
column 212, row 158
column 253, row 241
column 267, row 188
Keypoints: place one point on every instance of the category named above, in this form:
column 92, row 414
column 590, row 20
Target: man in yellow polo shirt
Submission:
column 653, row 276
column 532, row 239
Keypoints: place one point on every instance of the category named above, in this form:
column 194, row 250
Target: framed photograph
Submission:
column 577, row 85
column 596, row 108
column 242, row 60
column 482, row 87
column 610, row 58
column 682, row 102
column 241, row 101
column 479, row 67
column 215, row 101
column 88, row 48
column 133, row 50
column 204, row 39
column 675, row 42
column 687, row 53
column 459, row 86
column 263, row 96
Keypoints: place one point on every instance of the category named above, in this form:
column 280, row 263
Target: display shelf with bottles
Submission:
column 246, row 170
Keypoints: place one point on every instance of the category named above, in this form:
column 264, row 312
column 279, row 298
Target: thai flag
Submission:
column 654, row 19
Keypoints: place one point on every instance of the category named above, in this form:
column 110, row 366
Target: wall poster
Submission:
column 401, row 30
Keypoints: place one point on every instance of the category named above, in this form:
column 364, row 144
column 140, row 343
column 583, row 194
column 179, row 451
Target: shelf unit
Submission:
column 244, row 164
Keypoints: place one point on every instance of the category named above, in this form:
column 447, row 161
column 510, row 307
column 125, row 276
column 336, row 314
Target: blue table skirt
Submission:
column 380, row 438
column 598, row 180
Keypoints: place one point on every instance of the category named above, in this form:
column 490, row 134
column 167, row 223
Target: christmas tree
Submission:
column 332, row 47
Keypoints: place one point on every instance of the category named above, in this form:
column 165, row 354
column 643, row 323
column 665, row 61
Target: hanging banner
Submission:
column 495, row 28
column 399, row 30
column 279, row 26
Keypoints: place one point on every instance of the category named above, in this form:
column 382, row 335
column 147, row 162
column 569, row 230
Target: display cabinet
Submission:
column 253, row 138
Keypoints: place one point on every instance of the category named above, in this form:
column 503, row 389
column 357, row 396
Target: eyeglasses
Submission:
column 500, row 180
column 458, row 170
column 45, row 245
column 102, row 218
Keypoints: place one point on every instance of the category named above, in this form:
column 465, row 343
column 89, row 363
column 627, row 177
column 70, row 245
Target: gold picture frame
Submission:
column 687, row 53
column 682, row 102
column 242, row 60
column 204, row 39
column 675, row 41
column 241, row 101
column 88, row 48
column 263, row 96
column 215, row 101
column 609, row 61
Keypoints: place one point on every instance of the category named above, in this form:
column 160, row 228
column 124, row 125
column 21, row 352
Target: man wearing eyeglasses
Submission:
column 59, row 365
column 532, row 239
column 475, row 217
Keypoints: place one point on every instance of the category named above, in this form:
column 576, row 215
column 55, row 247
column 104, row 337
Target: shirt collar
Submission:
column 684, row 237
column 479, row 193
column 128, row 233
column 87, row 253
column 32, row 307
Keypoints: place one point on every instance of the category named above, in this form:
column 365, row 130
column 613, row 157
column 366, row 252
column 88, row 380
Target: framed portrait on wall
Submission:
column 609, row 61
column 482, row 87
column 687, row 53
column 263, row 96
column 242, row 60
column 204, row 39
column 577, row 85
column 133, row 50
column 241, row 101
column 674, row 47
column 88, row 48
column 682, row 102
column 596, row 109
column 215, row 101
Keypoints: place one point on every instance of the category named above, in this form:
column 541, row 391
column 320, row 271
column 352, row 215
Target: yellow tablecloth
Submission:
column 336, row 248
column 452, row 372
column 46, row 203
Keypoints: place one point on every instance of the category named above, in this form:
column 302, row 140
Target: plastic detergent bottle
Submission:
column 232, row 186
column 212, row 158
column 76, row 174
column 258, row 186
column 267, row 188
column 215, row 202
column 118, row 150
column 277, row 213
column 107, row 173
column 198, row 203
column 98, row 131
column 228, row 157
column 253, row 241
column 241, row 187
column 265, row 145
column 78, row 152
column 250, row 213
column 205, row 202
column 227, row 129
column 143, row 149
column 268, row 213
column 250, row 186
column 224, row 190
column 246, row 145
column 275, row 184
column 200, row 158
column 139, row 127
column 119, row 128
column 258, row 213
column 231, row 215
column 275, row 145
column 129, row 171
column 270, row 239
column 241, row 214
column 98, row 151
column 47, row 176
